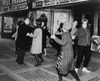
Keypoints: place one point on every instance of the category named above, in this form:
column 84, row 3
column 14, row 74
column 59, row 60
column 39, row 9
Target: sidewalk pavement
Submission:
column 11, row 71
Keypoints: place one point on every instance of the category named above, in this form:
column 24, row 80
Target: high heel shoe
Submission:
column 38, row 64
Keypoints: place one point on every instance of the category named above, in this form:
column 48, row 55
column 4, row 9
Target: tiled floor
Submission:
column 12, row 65
column 38, row 75
column 5, row 77
column 9, row 69
column 95, row 79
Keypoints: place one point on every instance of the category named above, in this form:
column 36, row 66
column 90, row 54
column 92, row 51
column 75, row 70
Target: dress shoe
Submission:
column 76, row 69
column 16, row 60
column 38, row 64
column 42, row 61
column 85, row 70
column 20, row 63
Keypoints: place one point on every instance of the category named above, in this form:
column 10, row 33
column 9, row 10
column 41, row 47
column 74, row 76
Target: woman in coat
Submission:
column 15, row 36
column 65, row 62
column 36, row 47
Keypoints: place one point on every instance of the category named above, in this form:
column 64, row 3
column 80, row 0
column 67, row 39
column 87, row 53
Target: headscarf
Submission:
column 67, row 25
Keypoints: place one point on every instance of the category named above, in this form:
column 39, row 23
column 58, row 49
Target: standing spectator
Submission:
column 73, row 30
column 84, row 39
column 15, row 36
column 36, row 47
column 44, row 37
column 65, row 63
column 22, row 40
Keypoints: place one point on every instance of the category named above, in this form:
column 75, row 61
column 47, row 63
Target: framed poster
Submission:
column 8, row 22
column 95, row 45
column 47, row 14
column 60, row 17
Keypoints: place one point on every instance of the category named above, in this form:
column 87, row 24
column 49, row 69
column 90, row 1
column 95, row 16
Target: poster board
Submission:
column 60, row 17
column 8, row 23
column 95, row 44
column 48, row 15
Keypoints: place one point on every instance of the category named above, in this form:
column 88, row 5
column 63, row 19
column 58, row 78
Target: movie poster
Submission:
column 60, row 17
column 47, row 13
column 8, row 22
column 95, row 45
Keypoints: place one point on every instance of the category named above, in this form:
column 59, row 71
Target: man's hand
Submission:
column 73, row 37
column 53, row 36
column 27, row 34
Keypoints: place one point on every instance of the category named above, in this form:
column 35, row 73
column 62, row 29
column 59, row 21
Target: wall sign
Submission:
column 68, row 1
column 19, row 6
column 5, row 2
column 57, row 2
column 4, row 9
column 49, row 2
column 5, row 5
column 62, row 1
column 18, row 1
column 37, row 4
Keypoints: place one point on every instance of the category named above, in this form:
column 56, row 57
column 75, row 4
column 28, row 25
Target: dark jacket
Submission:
column 84, row 36
column 22, row 39
column 44, row 35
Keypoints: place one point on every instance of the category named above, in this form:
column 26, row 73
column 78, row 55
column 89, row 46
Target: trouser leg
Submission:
column 37, row 60
column 87, row 56
column 75, row 50
column 16, row 47
column 74, row 75
column 79, row 56
column 59, row 75
column 20, row 57
column 41, row 58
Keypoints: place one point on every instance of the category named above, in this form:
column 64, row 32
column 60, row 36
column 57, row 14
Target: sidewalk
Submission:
column 11, row 71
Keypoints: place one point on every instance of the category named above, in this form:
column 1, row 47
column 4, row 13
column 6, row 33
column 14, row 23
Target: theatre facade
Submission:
column 56, row 11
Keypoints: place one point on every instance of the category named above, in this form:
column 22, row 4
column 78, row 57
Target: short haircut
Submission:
column 85, row 20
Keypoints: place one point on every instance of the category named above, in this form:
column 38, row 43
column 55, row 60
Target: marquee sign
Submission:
column 49, row 2
column 4, row 9
column 58, row 2
column 18, row 1
column 11, row 5
column 37, row 4
column 5, row 3
column 19, row 6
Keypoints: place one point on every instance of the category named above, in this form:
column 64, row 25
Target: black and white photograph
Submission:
column 49, row 40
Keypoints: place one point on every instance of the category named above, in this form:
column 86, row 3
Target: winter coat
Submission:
column 65, row 61
column 22, row 39
column 36, row 47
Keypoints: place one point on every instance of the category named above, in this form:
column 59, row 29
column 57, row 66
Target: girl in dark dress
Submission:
column 45, row 33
